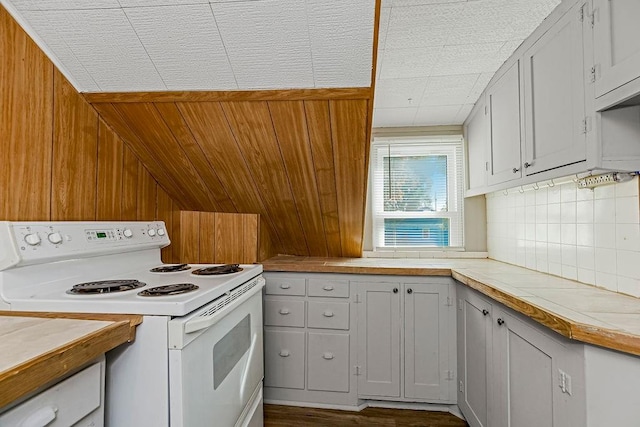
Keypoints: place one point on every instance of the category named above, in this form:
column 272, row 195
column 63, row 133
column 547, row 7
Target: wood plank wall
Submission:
column 61, row 161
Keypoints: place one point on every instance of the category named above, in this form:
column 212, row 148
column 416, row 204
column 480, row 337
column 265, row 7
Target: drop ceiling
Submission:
column 435, row 57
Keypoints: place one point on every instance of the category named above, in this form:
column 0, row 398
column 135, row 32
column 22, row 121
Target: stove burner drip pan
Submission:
column 105, row 287
column 170, row 268
column 218, row 269
column 167, row 290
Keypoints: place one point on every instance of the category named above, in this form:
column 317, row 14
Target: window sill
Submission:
column 423, row 254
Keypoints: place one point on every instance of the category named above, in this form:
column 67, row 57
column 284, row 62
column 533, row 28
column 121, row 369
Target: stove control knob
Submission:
column 151, row 232
column 55, row 238
column 32, row 239
column 161, row 232
column 128, row 233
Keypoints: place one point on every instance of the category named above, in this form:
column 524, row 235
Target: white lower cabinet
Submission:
column 328, row 361
column 513, row 372
column 284, row 359
column 406, row 339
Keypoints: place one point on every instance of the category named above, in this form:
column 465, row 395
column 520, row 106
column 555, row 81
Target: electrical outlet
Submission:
column 565, row 382
column 597, row 180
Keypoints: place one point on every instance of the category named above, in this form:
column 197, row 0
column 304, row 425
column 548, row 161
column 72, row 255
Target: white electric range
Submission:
column 197, row 356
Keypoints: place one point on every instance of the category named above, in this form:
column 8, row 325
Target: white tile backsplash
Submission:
column 592, row 236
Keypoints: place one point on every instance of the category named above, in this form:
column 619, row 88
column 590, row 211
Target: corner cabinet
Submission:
column 406, row 342
column 513, row 372
column 475, row 135
column 554, row 95
column 616, row 47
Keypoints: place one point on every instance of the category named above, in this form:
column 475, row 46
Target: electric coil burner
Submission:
column 174, row 289
column 105, row 287
column 170, row 268
column 218, row 269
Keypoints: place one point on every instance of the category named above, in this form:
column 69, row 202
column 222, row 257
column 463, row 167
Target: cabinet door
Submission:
column 474, row 357
column 426, row 332
column 284, row 359
column 328, row 362
column 616, row 47
column 526, row 374
column 476, row 140
column 554, row 96
column 379, row 339
column 503, row 101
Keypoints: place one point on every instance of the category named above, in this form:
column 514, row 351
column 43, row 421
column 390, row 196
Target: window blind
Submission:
column 417, row 192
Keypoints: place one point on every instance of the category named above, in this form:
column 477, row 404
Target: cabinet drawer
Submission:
column 328, row 362
column 283, row 312
column 282, row 285
column 284, row 359
column 328, row 315
column 328, row 288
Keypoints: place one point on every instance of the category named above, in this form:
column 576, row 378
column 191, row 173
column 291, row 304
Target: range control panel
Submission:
column 35, row 242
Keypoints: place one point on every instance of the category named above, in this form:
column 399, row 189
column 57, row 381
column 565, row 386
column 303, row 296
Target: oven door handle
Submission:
column 201, row 323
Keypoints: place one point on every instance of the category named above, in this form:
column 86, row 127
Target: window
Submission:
column 417, row 192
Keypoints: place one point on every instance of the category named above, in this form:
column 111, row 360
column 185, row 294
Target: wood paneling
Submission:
column 229, row 96
column 110, row 162
column 26, row 126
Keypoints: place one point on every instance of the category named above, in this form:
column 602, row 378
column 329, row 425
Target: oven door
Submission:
column 217, row 365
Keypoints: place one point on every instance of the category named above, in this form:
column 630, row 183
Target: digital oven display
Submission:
column 101, row 235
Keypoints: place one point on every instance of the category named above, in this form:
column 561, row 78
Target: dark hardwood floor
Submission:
column 286, row 416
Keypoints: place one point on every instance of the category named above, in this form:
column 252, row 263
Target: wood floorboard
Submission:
column 289, row 416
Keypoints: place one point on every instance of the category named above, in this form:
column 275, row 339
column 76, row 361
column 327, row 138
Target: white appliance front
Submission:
column 216, row 367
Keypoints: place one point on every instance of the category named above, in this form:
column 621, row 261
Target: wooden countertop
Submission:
column 38, row 348
column 578, row 311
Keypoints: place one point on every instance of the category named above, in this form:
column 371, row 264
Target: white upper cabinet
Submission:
column 503, row 102
column 554, row 102
column 475, row 133
column 616, row 46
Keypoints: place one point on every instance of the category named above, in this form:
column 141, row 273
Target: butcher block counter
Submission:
column 38, row 348
column 577, row 311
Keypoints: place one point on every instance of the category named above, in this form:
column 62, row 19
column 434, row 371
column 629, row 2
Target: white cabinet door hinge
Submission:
column 486, row 166
column 357, row 299
column 450, row 375
column 460, row 304
column 594, row 73
column 586, row 125
column 357, row 369
column 581, row 14
column 461, row 387
column 449, row 302
column 486, row 110
column 592, row 17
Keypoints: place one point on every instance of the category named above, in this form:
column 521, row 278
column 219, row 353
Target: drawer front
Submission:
column 283, row 312
column 328, row 288
column 328, row 362
column 284, row 359
column 328, row 315
column 282, row 285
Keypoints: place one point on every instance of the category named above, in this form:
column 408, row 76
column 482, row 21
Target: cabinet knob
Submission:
column 328, row 313
column 515, row 170
column 327, row 356
column 285, row 286
column 328, row 288
column 284, row 353
column 395, row 290
column 527, row 165
column 500, row 321
column 409, row 291
column 485, row 311
column 284, row 311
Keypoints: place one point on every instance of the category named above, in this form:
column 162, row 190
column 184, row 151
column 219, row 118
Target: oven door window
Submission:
column 229, row 350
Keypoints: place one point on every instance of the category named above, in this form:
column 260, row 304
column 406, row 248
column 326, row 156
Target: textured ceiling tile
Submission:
column 479, row 87
column 463, row 114
column 384, row 26
column 403, row 3
column 184, row 45
column 40, row 22
column 25, row 4
column 443, row 90
column 66, row 4
column 143, row 3
column 397, row 93
column 420, row 26
column 468, row 59
column 106, row 45
column 267, row 43
column 393, row 117
column 341, row 36
column 404, row 63
column 534, row 14
column 485, row 22
column 436, row 115
column 387, row 4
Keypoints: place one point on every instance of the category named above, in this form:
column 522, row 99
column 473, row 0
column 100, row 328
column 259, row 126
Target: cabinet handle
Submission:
column 527, row 165
column 284, row 311
column 327, row 356
column 328, row 288
column 485, row 311
column 515, row 170
column 328, row 313
column 409, row 291
column 395, row 290
column 285, row 286
column 284, row 353
column 500, row 321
